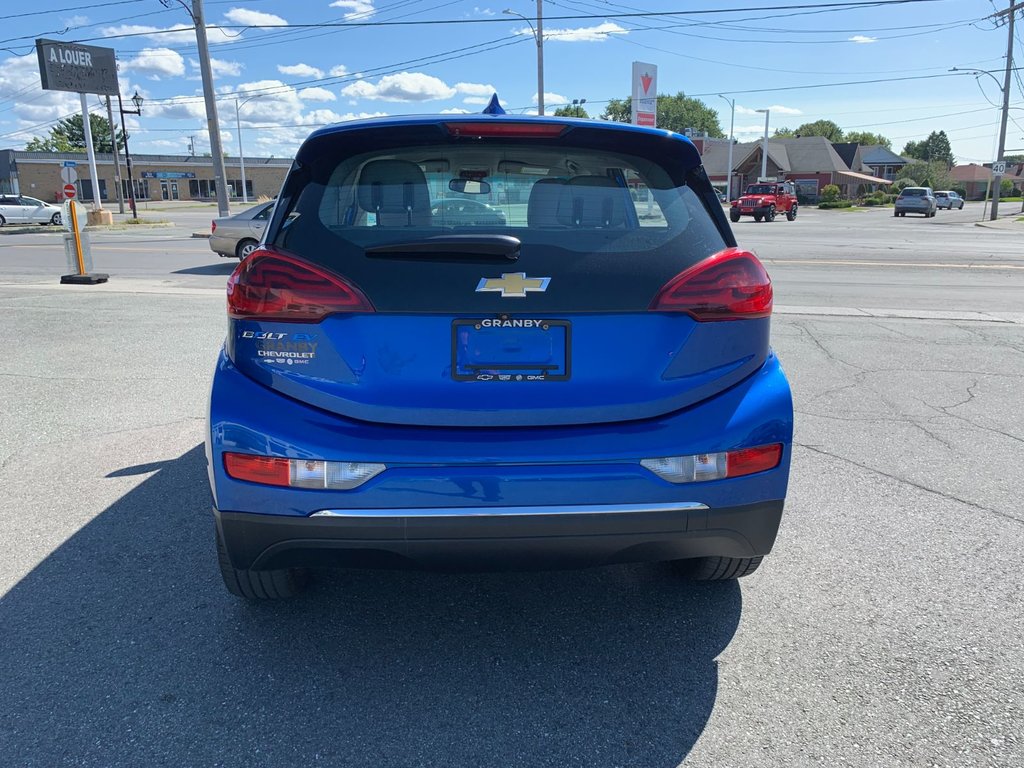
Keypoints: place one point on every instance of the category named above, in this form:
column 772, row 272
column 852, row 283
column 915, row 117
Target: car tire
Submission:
column 791, row 214
column 895, row 214
column 734, row 217
column 245, row 247
column 276, row 584
column 55, row 220
column 2, row 221
column 961, row 207
column 770, row 216
column 717, row 568
column 758, row 216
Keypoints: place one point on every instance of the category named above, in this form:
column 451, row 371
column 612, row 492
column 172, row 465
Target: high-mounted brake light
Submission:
column 509, row 130
column 715, row 466
column 731, row 285
column 300, row 473
column 272, row 285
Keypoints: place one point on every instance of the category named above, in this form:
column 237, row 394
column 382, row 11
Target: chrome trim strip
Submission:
column 573, row 509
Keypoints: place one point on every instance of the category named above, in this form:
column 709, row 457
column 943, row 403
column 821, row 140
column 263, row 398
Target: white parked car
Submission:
column 949, row 200
column 19, row 209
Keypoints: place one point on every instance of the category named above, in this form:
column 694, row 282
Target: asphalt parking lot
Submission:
column 887, row 628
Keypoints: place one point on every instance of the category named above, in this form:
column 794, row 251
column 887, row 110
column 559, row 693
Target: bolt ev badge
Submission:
column 513, row 284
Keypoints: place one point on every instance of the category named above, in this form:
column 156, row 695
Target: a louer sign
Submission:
column 76, row 68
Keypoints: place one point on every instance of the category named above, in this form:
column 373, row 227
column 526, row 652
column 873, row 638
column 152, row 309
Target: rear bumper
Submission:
column 490, row 538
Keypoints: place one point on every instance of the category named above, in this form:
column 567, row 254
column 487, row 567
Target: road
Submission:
column 886, row 629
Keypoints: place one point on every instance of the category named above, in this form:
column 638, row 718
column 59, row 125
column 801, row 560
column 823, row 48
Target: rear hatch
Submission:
column 497, row 271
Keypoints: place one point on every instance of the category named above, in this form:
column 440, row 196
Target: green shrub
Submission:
column 962, row 191
column 902, row 183
column 835, row 204
column 830, row 193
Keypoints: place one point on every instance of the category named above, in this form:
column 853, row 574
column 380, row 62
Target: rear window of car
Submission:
column 578, row 199
column 914, row 192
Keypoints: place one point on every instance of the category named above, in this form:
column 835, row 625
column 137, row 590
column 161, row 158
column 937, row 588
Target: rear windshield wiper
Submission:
column 452, row 248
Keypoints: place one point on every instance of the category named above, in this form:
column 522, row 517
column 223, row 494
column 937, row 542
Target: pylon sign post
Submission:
column 644, row 97
column 76, row 248
column 80, row 69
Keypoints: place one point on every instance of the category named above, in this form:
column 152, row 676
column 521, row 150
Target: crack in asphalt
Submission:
column 912, row 484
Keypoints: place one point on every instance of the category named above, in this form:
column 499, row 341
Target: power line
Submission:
column 576, row 17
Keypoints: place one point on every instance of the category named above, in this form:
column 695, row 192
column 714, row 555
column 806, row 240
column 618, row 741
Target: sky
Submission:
column 882, row 68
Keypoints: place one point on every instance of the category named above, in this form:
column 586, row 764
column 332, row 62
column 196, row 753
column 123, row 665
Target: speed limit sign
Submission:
column 999, row 167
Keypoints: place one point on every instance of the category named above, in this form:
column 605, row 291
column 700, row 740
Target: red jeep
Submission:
column 765, row 199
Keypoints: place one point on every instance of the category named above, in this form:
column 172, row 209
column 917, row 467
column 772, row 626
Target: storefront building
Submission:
column 157, row 177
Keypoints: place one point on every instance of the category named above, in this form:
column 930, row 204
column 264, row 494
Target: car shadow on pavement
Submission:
column 122, row 648
column 220, row 268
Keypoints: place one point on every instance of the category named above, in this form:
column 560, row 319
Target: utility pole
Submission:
column 192, row 146
column 212, row 122
column 117, row 158
column 1009, row 13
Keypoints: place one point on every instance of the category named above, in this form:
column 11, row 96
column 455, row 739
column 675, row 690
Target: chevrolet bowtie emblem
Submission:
column 513, row 284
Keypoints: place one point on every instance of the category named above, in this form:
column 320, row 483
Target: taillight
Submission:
column 300, row 473
column 731, row 285
column 508, row 130
column 213, row 226
column 272, row 285
column 715, row 466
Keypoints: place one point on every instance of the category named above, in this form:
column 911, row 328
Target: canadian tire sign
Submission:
column 76, row 68
column 644, row 99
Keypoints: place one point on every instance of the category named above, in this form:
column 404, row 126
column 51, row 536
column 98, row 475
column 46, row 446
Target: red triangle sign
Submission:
column 645, row 81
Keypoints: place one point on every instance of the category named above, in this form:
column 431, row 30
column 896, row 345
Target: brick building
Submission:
column 157, row 177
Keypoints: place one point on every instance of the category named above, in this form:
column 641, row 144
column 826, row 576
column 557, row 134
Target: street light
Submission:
column 578, row 103
column 137, row 101
column 238, row 129
column 732, row 123
column 538, row 36
column 1004, row 88
column 764, row 150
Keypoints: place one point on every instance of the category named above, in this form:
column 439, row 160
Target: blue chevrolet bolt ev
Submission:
column 570, row 366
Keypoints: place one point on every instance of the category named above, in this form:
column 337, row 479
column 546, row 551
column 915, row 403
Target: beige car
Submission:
column 237, row 236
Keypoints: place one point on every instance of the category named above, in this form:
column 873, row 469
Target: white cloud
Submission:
column 300, row 70
column 475, row 89
column 189, row 108
column 552, row 98
column 355, row 8
column 483, row 11
column 156, row 63
column 177, row 33
column 405, row 86
column 76, row 21
column 862, row 39
column 595, row 34
column 254, row 18
column 220, row 67
column 455, row 111
column 317, row 94
column 338, row 70
column 775, row 109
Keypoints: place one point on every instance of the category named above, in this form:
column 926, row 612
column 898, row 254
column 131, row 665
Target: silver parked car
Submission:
column 916, row 200
column 949, row 200
column 19, row 209
column 237, row 236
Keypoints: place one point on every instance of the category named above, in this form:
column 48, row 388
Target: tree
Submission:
column 69, row 136
column 867, row 138
column 830, row 193
column 934, row 148
column 825, row 128
column 934, row 174
column 570, row 111
column 675, row 113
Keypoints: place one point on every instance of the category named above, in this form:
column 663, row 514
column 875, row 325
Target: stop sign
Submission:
column 70, row 191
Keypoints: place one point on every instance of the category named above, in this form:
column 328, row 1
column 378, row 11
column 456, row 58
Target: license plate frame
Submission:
column 511, row 371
